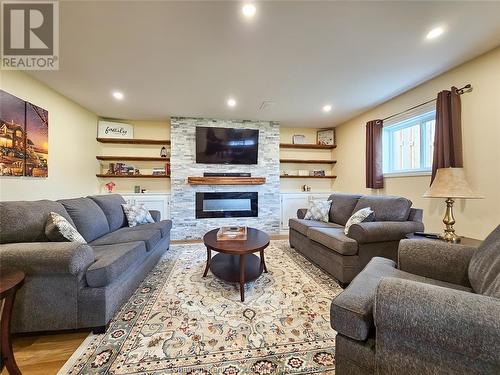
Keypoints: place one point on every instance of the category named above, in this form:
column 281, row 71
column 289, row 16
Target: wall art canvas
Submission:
column 24, row 131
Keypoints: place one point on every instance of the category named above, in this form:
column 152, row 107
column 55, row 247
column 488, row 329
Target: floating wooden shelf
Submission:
column 104, row 175
column 226, row 180
column 310, row 146
column 308, row 161
column 132, row 158
column 135, row 141
column 308, row 176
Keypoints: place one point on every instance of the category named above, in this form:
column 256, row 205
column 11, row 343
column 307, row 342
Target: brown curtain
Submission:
column 374, row 177
column 448, row 134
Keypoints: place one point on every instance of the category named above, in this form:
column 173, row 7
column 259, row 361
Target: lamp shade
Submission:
column 450, row 183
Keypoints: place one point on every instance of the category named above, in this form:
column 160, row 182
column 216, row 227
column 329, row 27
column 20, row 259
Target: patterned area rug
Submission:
column 178, row 322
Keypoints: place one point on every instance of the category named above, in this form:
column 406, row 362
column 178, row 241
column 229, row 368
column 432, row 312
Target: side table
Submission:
column 10, row 282
column 467, row 241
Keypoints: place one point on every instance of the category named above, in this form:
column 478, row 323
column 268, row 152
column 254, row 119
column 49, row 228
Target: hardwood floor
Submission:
column 46, row 354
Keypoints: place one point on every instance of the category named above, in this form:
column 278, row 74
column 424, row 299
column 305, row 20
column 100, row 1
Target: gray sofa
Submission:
column 436, row 312
column 71, row 285
column 344, row 256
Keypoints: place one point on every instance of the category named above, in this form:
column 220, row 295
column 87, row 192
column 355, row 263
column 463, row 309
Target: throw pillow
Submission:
column 319, row 211
column 58, row 229
column 358, row 217
column 137, row 214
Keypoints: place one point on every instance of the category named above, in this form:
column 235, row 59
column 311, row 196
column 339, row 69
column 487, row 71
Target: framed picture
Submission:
column 110, row 129
column 326, row 137
column 298, row 139
column 24, row 138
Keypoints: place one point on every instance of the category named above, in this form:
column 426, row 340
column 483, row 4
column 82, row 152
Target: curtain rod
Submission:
column 460, row 91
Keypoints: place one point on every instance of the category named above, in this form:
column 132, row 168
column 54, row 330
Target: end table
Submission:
column 10, row 282
column 464, row 240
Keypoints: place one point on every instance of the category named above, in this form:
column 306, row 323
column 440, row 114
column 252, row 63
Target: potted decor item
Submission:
column 110, row 186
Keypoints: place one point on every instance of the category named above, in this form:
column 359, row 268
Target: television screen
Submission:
column 226, row 145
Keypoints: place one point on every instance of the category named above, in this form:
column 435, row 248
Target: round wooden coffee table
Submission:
column 236, row 261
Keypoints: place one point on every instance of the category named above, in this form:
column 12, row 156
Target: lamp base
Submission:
column 449, row 234
column 450, row 237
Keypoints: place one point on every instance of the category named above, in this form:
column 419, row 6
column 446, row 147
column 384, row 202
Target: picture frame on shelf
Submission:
column 318, row 173
column 299, row 139
column 325, row 137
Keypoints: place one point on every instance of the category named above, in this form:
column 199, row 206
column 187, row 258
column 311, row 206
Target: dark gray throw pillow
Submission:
column 58, row 229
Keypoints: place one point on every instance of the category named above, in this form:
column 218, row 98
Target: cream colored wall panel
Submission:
column 481, row 145
column 72, row 145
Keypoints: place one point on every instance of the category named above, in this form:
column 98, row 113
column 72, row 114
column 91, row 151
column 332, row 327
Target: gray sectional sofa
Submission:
column 71, row 285
column 344, row 256
column 437, row 311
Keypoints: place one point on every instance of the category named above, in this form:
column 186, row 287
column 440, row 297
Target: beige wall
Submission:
column 142, row 130
column 72, row 144
column 481, row 144
column 292, row 184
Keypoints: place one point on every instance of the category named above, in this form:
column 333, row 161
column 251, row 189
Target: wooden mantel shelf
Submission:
column 226, row 180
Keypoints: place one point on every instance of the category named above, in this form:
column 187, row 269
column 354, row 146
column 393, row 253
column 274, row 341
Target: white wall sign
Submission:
column 109, row 129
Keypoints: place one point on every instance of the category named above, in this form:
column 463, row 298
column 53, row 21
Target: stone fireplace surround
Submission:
column 183, row 165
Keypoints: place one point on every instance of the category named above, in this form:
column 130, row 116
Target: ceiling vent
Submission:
column 266, row 104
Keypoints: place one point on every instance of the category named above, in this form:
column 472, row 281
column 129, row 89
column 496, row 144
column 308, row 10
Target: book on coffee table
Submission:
column 235, row 233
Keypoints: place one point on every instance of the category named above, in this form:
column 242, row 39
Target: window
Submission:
column 408, row 145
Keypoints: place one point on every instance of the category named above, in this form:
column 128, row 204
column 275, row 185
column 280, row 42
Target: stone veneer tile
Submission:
column 183, row 164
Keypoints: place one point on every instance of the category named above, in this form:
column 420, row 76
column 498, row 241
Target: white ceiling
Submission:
column 187, row 58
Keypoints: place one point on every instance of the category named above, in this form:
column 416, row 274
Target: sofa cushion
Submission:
column 342, row 207
column 334, row 239
column 58, row 229
column 149, row 236
column 111, row 261
column 163, row 226
column 111, row 205
column 351, row 312
column 318, row 210
column 484, row 266
column 88, row 217
column 386, row 207
column 363, row 215
column 24, row 221
column 137, row 214
column 303, row 225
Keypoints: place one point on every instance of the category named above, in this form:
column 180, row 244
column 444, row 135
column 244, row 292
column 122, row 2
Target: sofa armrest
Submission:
column 435, row 326
column 156, row 215
column 301, row 213
column 436, row 259
column 45, row 258
column 383, row 231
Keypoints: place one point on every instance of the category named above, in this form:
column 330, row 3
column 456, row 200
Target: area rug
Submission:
column 178, row 322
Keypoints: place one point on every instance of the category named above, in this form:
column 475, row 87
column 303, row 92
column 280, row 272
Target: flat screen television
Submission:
column 226, row 145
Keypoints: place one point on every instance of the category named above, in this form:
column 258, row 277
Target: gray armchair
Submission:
column 436, row 312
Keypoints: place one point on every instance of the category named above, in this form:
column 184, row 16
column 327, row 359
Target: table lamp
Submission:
column 450, row 183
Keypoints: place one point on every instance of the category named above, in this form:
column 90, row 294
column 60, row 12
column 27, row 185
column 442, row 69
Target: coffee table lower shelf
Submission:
column 227, row 267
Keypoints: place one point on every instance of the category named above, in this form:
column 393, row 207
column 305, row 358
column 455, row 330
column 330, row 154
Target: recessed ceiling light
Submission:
column 249, row 10
column 434, row 33
column 231, row 102
column 118, row 95
column 327, row 108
